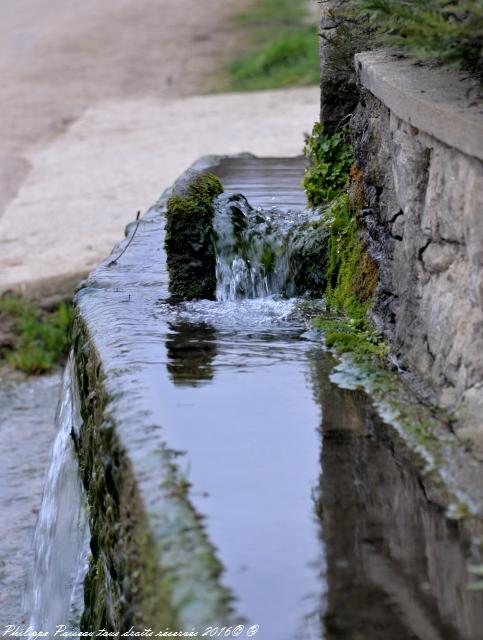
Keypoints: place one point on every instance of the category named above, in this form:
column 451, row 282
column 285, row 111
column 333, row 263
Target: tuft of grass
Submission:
column 282, row 48
column 444, row 31
column 33, row 340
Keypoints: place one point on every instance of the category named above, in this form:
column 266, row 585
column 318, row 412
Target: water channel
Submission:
column 312, row 502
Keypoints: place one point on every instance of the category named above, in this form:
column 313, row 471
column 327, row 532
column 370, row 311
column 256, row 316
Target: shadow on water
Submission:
column 191, row 349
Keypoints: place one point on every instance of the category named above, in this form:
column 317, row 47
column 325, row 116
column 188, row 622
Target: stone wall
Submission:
column 418, row 136
column 340, row 39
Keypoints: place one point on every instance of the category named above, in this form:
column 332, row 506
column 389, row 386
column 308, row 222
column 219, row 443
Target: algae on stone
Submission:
column 189, row 238
column 351, row 275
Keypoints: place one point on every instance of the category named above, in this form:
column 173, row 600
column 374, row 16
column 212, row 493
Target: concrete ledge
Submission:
column 442, row 103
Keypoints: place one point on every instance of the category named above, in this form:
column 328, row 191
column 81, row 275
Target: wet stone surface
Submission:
column 27, row 430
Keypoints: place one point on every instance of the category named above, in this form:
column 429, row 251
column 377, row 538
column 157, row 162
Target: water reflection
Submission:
column 191, row 349
column 396, row 566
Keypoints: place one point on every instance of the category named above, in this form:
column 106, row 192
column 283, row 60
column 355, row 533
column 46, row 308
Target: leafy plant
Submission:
column 330, row 161
column 445, row 31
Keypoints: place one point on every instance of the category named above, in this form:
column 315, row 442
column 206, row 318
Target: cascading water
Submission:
column 54, row 591
column 266, row 252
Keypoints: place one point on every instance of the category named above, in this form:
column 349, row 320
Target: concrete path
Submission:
column 101, row 110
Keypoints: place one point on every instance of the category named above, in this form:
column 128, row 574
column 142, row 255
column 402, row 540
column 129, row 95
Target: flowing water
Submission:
column 54, row 594
column 313, row 504
column 264, row 252
column 27, row 411
column 324, row 528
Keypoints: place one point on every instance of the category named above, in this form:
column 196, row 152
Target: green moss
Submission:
column 351, row 275
column 189, row 239
column 343, row 336
column 32, row 339
column 152, row 565
column 351, row 280
column 268, row 259
column 281, row 48
column 308, row 257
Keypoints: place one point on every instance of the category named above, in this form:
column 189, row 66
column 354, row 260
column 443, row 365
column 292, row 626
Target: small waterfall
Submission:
column 261, row 253
column 54, row 592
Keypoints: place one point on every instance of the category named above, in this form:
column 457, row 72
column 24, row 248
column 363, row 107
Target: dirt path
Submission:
column 101, row 110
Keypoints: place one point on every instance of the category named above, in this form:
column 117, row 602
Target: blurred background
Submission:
column 105, row 103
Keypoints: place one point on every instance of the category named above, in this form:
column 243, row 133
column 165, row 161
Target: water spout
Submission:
column 265, row 252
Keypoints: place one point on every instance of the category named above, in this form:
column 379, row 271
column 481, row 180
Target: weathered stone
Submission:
column 410, row 158
column 444, row 209
column 340, row 38
column 441, row 102
column 427, row 198
column 439, row 256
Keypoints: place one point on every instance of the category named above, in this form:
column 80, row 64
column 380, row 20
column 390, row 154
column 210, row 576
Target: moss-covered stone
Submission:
column 308, row 258
column 189, row 238
column 352, row 275
column 343, row 336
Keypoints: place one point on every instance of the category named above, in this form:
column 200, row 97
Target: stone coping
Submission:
column 440, row 102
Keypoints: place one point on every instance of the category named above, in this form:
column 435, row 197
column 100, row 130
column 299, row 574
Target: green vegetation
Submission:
column 445, row 31
column 330, row 161
column 351, row 274
column 343, row 336
column 189, row 239
column 351, row 281
column 33, row 340
column 282, row 47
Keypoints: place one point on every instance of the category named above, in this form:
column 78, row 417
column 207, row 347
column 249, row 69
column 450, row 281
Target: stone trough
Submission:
column 234, row 534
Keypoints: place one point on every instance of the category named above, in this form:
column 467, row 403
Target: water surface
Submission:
column 313, row 504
